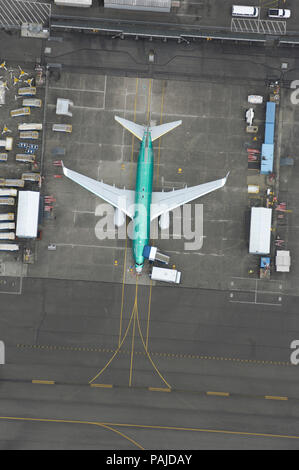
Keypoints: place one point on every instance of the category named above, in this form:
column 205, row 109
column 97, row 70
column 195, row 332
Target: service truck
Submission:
column 165, row 275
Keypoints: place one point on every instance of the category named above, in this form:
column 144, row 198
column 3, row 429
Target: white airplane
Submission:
column 143, row 205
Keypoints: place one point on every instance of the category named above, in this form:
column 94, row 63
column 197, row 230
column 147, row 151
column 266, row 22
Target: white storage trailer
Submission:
column 7, row 225
column 8, row 192
column 7, row 236
column 9, row 247
column 27, row 215
column 260, row 231
column 7, row 201
column 30, row 126
column 7, row 216
column 165, row 275
column 6, row 143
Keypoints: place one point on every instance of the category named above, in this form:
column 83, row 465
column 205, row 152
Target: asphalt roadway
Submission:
column 219, row 376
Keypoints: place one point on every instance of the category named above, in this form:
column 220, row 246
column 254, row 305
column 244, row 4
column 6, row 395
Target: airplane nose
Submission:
column 138, row 268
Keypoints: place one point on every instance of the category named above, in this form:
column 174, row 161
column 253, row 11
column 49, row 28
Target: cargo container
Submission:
column 8, row 216
column 30, row 126
column 31, row 177
column 7, row 225
column 7, row 236
column 8, row 192
column 269, row 133
column 27, row 91
column 29, row 135
column 12, row 182
column 25, row 158
column 165, row 275
column 32, row 102
column 270, row 112
column 2, row 92
column 62, row 127
column 9, row 247
column 7, row 201
column 7, row 143
column 20, row 112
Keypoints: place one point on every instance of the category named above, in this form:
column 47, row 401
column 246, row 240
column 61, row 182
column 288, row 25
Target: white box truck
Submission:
column 165, row 275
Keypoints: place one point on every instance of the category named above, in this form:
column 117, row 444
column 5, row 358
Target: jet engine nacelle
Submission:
column 164, row 221
column 119, row 218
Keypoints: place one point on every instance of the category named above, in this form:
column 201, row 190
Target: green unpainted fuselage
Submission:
column 143, row 197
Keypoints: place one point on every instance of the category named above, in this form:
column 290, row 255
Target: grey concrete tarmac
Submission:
column 199, row 342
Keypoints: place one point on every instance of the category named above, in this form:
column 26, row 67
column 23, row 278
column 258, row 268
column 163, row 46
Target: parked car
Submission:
column 279, row 13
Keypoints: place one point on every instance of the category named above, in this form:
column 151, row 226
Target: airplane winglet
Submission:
column 64, row 169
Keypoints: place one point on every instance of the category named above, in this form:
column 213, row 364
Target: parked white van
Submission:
column 279, row 13
column 249, row 12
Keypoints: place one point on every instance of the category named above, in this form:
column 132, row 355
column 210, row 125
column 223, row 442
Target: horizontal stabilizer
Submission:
column 158, row 131
column 135, row 129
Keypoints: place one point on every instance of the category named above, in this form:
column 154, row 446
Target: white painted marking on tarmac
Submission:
column 75, row 245
column 105, row 89
column 253, row 303
column 184, row 14
column 76, row 89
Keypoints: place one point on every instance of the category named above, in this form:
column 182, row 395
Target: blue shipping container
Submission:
column 270, row 112
column 269, row 133
column 267, row 159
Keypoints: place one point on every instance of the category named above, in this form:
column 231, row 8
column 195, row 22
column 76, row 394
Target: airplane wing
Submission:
column 163, row 202
column 122, row 199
